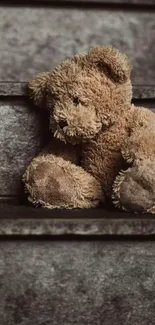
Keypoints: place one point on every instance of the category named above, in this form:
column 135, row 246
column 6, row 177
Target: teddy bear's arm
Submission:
column 139, row 145
column 134, row 188
column 102, row 157
column 60, row 149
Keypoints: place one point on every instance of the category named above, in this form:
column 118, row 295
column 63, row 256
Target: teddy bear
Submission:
column 102, row 148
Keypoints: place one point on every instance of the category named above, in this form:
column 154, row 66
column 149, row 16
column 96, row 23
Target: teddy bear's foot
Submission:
column 134, row 189
column 53, row 182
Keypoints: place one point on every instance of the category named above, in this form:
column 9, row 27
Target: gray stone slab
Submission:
column 122, row 2
column 126, row 226
column 23, row 133
column 87, row 223
column 77, row 282
column 12, row 89
column 37, row 39
column 10, row 200
column 15, row 89
column 144, row 92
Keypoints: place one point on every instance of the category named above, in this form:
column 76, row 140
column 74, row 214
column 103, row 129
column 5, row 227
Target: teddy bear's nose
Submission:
column 62, row 124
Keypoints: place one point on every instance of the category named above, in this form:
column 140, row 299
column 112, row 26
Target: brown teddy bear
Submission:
column 97, row 134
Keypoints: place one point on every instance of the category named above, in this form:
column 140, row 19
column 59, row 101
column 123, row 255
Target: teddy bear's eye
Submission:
column 76, row 100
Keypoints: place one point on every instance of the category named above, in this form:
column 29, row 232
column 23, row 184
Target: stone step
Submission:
column 36, row 39
column 86, row 2
column 76, row 267
column 26, row 221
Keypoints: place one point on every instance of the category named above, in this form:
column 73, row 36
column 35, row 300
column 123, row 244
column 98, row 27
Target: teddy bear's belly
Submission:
column 102, row 158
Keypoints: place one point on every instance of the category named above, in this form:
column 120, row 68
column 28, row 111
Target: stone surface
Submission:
column 144, row 92
column 24, row 221
column 13, row 89
column 129, row 2
column 77, row 282
column 23, row 133
column 36, row 39
column 21, row 89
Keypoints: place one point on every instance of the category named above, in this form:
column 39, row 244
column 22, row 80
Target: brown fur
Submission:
column 95, row 126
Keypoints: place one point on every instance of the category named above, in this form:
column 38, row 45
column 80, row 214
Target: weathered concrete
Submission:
column 11, row 89
column 36, row 39
column 18, row 89
column 26, row 221
column 77, row 282
column 23, row 133
column 119, row 2
column 144, row 92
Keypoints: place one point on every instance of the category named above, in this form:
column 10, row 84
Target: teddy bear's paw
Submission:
column 134, row 189
column 53, row 182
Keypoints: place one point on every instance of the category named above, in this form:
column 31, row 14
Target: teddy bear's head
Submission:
column 85, row 94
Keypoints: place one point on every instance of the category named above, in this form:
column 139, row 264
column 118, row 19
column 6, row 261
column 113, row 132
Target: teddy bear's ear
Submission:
column 110, row 60
column 38, row 89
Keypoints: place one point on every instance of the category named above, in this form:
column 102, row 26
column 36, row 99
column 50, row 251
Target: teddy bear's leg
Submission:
column 134, row 188
column 54, row 182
